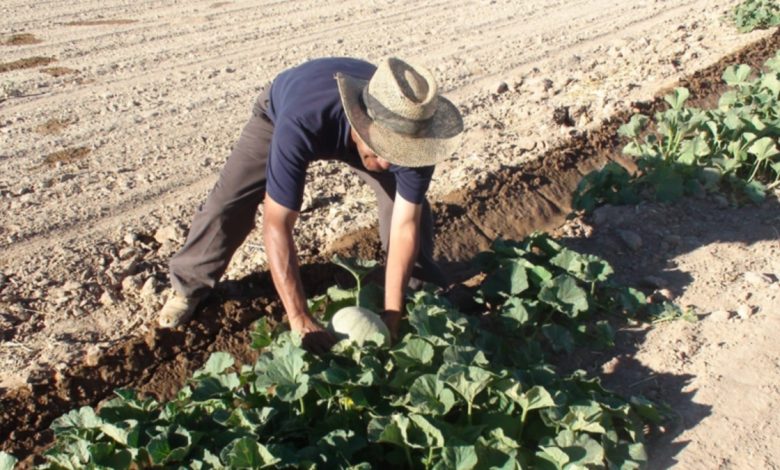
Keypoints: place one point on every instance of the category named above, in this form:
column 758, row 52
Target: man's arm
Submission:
column 402, row 253
column 278, row 223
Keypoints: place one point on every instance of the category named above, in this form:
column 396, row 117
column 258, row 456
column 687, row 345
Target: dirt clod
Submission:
column 26, row 63
column 66, row 156
column 21, row 39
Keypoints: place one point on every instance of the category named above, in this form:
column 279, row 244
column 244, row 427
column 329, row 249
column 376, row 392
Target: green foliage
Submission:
column 452, row 393
column 733, row 148
column 542, row 292
column 756, row 14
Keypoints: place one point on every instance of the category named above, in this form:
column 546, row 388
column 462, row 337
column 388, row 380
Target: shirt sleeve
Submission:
column 412, row 183
column 291, row 151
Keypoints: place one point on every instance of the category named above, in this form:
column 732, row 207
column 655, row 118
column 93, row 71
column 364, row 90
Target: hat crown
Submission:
column 402, row 89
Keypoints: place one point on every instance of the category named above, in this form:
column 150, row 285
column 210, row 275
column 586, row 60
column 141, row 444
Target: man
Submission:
column 388, row 123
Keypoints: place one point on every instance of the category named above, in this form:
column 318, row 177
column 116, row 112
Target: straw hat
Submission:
column 400, row 115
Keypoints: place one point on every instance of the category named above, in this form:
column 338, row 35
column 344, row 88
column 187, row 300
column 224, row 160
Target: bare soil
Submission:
column 542, row 89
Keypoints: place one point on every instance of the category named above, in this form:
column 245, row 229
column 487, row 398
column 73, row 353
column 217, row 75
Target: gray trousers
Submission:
column 228, row 216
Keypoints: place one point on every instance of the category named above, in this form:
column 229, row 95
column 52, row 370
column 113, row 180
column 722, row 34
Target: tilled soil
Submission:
column 92, row 209
column 509, row 203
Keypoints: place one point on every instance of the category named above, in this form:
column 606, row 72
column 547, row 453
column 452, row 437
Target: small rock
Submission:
column 610, row 366
column 130, row 238
column 126, row 252
column 92, row 356
column 107, row 299
column 502, row 87
column 562, row 117
column 720, row 315
column 745, row 311
column 131, row 284
column 547, row 84
column 167, row 234
column 149, row 288
column 131, row 267
column 631, row 239
column 758, row 278
column 661, row 296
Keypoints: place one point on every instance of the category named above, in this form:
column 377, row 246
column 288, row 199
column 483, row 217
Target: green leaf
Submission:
column 206, row 388
column 465, row 355
column 423, row 434
column 559, row 337
column 337, row 294
column 646, row 409
column 281, row 372
column 693, row 149
column 261, row 334
column 247, row 453
column 83, row 418
column 359, row 268
column 585, row 417
column 668, row 183
column 515, row 313
column 412, row 352
column 771, row 83
column 414, row 431
column 551, row 458
column 605, row 334
column 7, row 461
column 457, row 458
column 171, row 446
column 677, row 99
column 634, row 126
column 345, row 443
column 535, row 398
column 626, row 456
column 631, row 299
column 737, row 75
column 467, row 381
column 564, row 294
column 510, row 279
column 580, row 450
column 764, row 148
column 217, row 363
column 589, row 268
column 755, row 191
column 429, row 396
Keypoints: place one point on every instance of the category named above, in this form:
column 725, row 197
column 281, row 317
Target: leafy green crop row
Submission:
column 455, row 392
column 732, row 148
column 756, row 14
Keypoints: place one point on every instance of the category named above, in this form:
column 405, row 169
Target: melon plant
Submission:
column 453, row 392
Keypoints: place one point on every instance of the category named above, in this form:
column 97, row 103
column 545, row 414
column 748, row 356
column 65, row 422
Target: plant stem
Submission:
column 408, row 457
column 522, row 425
column 302, row 406
column 469, row 412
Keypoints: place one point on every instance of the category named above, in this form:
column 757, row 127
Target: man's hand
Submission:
column 278, row 222
column 316, row 339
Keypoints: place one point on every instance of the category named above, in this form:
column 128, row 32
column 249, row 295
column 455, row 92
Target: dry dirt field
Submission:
column 115, row 118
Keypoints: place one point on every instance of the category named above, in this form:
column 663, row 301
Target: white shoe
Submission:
column 178, row 310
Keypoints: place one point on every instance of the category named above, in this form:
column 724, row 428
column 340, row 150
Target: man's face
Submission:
column 371, row 161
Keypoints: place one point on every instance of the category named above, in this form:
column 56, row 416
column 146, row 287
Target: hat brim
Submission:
column 437, row 142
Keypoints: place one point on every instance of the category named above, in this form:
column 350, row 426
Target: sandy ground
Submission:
column 107, row 150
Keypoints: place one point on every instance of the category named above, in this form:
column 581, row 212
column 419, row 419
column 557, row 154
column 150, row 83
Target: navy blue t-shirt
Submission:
column 310, row 124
